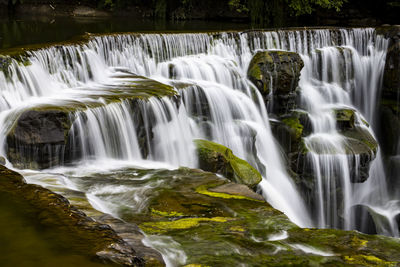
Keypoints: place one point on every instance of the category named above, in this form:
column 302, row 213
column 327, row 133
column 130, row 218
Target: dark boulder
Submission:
column 276, row 75
column 39, row 138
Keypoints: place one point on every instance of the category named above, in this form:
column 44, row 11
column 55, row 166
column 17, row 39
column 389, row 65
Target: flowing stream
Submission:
column 343, row 70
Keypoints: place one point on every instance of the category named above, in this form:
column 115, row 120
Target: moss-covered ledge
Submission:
column 39, row 137
column 217, row 158
column 68, row 225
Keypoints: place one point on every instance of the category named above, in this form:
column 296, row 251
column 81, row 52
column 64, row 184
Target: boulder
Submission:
column 276, row 75
column 39, row 138
column 290, row 129
column 345, row 118
column 217, row 158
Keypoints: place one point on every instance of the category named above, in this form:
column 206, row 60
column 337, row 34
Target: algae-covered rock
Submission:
column 220, row 159
column 276, row 75
column 191, row 211
column 69, row 226
column 345, row 118
column 41, row 138
column 290, row 129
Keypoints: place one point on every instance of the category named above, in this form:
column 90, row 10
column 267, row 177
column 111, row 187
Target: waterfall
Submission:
column 214, row 100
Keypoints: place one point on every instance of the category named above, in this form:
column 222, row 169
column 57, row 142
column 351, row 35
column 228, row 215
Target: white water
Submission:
column 220, row 105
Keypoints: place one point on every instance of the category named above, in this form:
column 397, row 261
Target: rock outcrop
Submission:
column 42, row 136
column 217, row 158
column 39, row 138
column 276, row 75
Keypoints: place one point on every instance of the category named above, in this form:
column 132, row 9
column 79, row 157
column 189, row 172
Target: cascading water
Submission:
column 216, row 101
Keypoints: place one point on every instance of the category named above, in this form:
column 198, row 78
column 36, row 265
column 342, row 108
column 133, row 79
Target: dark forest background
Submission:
column 266, row 13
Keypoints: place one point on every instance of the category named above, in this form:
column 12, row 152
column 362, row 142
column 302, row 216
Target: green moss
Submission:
column 235, row 168
column 203, row 189
column 367, row 260
column 357, row 242
column 295, row 125
column 166, row 213
column 303, row 149
column 345, row 118
column 165, row 226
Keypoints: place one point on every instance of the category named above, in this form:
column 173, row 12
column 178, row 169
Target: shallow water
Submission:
column 25, row 243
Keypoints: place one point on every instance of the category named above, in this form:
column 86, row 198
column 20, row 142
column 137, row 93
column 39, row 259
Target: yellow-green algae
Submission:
column 237, row 228
column 357, row 242
column 295, row 125
column 196, row 265
column 203, row 189
column 165, row 226
column 368, row 260
column 167, row 213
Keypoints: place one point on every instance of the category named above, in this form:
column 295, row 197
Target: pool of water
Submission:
column 26, row 243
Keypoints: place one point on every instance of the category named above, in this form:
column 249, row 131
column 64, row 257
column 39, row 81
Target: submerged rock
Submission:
column 276, row 75
column 217, row 158
column 66, row 223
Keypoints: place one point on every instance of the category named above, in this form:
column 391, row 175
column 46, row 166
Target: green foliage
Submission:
column 299, row 7
column 302, row 7
column 238, row 6
column 109, row 3
column 160, row 8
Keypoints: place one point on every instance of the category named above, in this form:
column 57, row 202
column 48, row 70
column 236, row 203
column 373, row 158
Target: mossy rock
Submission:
column 220, row 159
column 199, row 213
column 296, row 128
column 40, row 136
column 276, row 74
column 345, row 118
column 216, row 229
column 282, row 66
